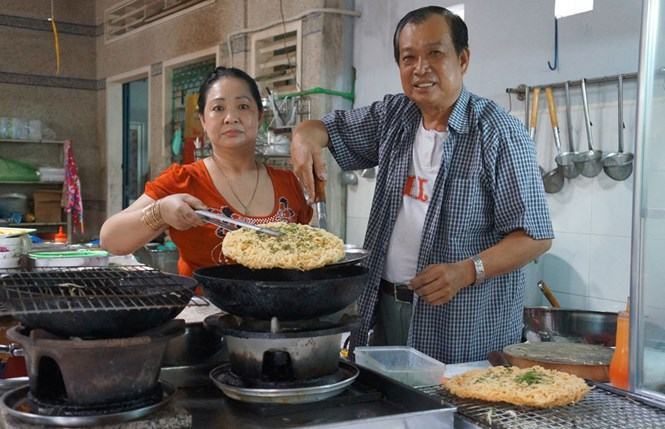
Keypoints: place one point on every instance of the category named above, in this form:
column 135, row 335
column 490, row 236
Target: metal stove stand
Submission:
column 601, row 408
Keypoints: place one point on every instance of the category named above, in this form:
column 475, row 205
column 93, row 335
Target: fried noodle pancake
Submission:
column 300, row 247
column 534, row 387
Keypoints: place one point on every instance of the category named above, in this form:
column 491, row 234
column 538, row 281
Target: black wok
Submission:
column 285, row 294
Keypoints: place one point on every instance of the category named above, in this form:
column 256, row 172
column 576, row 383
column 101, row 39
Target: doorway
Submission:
column 135, row 162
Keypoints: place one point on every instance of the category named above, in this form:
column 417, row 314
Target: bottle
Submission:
column 619, row 371
column 60, row 236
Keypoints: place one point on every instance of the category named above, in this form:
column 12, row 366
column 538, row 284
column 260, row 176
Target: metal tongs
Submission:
column 225, row 221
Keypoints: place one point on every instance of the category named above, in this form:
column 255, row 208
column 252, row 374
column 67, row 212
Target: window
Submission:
column 275, row 57
column 135, row 163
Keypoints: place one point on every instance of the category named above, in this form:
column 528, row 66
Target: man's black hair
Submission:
column 458, row 30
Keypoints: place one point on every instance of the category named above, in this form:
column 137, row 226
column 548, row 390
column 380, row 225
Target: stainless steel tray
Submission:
column 372, row 401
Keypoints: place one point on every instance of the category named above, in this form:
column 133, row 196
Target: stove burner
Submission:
column 20, row 404
column 63, row 407
column 296, row 392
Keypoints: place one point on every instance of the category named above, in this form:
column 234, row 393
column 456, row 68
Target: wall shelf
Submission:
column 35, row 224
column 8, row 182
column 32, row 141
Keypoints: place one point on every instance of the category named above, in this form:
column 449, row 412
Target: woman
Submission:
column 231, row 182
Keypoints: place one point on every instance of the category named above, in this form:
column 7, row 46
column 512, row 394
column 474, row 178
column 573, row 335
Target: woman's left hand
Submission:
column 177, row 210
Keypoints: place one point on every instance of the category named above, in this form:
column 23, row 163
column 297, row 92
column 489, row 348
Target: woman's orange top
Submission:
column 202, row 246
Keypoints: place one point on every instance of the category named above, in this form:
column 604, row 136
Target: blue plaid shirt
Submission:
column 488, row 185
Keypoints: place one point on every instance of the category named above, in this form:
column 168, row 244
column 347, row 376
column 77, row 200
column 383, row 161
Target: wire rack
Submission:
column 92, row 289
column 600, row 408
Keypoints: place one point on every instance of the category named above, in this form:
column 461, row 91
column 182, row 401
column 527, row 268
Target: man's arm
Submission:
column 307, row 141
column 439, row 283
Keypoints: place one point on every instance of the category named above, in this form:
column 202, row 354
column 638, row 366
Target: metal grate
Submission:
column 599, row 409
column 92, row 289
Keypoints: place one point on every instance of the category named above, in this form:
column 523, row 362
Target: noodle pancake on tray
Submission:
column 300, row 247
column 534, row 387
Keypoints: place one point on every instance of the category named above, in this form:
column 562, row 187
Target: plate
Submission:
column 6, row 232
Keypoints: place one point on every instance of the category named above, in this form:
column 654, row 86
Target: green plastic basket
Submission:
column 16, row 171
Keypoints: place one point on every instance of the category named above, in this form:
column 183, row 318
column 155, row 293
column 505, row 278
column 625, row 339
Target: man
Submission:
column 459, row 205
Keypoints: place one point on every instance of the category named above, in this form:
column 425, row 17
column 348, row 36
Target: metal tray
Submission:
column 372, row 401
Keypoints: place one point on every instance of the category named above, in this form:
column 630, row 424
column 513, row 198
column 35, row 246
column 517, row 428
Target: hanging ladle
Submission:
column 553, row 180
column 590, row 160
column 565, row 161
column 619, row 165
column 533, row 120
column 571, row 155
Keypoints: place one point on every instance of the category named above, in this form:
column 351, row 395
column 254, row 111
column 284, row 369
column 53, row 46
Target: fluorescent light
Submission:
column 563, row 8
column 457, row 9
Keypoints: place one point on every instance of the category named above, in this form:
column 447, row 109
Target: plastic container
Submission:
column 619, row 371
column 401, row 363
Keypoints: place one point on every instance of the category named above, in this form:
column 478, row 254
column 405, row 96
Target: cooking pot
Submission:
column 569, row 326
column 285, row 294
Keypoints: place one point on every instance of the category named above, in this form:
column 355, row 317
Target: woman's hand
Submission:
column 177, row 210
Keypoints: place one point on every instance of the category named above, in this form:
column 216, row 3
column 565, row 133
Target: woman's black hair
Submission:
column 221, row 72
column 458, row 30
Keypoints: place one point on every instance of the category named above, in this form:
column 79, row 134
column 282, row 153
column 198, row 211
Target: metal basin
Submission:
column 197, row 345
column 569, row 326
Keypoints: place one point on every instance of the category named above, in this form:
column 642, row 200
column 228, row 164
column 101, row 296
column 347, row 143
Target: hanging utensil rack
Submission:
column 521, row 90
column 85, row 290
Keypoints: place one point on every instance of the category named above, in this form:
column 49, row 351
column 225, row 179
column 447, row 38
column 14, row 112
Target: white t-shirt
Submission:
column 402, row 257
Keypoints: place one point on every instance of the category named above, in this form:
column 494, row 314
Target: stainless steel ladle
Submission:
column 533, row 120
column 590, row 160
column 565, row 163
column 553, row 180
column 571, row 156
column 619, row 165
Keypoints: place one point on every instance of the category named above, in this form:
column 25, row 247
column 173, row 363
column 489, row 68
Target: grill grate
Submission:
column 599, row 409
column 92, row 289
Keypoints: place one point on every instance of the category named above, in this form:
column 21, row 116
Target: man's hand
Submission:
column 306, row 157
column 439, row 283
column 177, row 210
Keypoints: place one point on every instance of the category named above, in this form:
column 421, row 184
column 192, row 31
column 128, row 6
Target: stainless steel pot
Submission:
column 569, row 326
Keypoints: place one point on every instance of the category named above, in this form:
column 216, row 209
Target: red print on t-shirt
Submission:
column 416, row 191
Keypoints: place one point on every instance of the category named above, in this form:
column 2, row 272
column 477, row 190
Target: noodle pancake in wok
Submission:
column 300, row 247
column 535, row 387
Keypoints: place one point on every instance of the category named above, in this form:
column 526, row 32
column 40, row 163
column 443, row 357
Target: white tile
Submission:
column 359, row 197
column 570, row 208
column 611, row 206
column 609, row 267
column 533, row 272
column 653, row 270
column 575, row 302
column 566, row 264
column 599, row 304
column 355, row 230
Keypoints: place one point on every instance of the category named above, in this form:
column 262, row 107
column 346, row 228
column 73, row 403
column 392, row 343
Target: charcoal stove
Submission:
column 282, row 361
column 93, row 341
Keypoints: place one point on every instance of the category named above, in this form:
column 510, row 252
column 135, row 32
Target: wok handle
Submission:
column 548, row 294
column 319, row 190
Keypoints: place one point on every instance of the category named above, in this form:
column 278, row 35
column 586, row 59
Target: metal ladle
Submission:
column 533, row 120
column 590, row 160
column 553, row 180
column 619, row 165
column 566, row 163
column 571, row 155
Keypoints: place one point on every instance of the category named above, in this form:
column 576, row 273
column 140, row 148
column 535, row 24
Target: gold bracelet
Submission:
column 151, row 216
